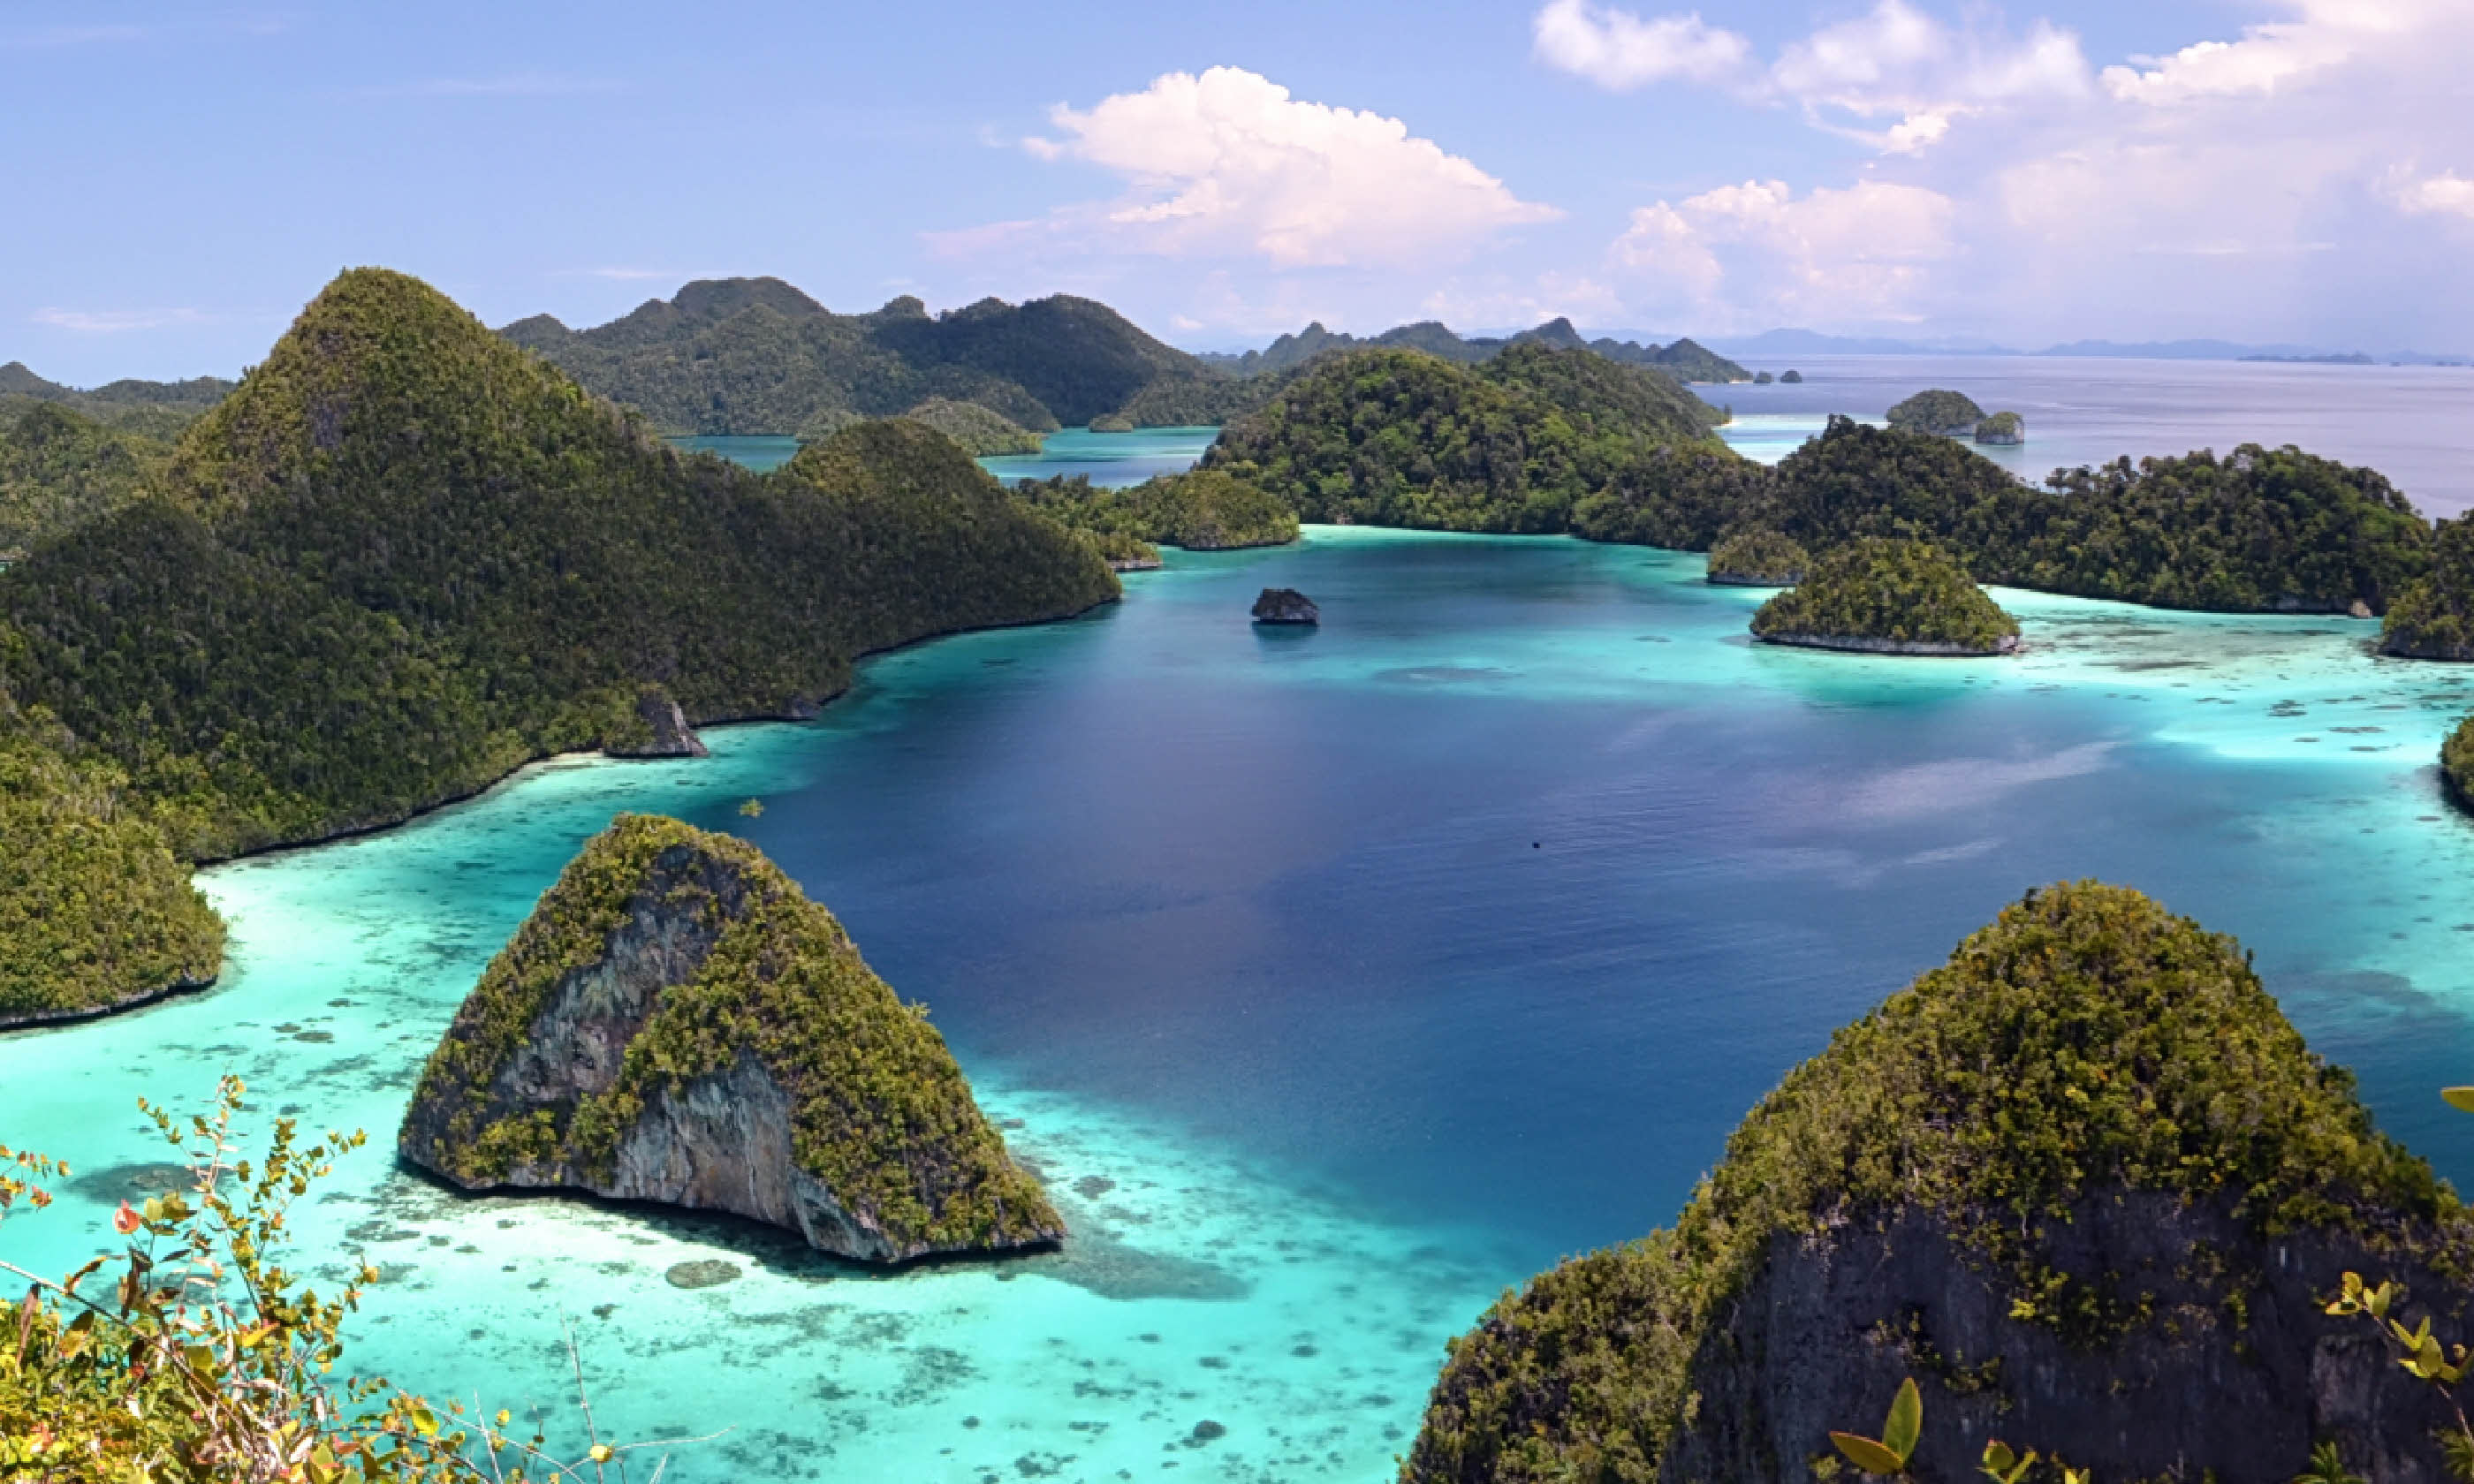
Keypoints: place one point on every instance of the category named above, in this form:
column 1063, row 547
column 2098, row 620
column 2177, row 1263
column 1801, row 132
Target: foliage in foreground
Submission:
column 2087, row 1042
column 1900, row 592
column 193, row 1356
column 59, row 469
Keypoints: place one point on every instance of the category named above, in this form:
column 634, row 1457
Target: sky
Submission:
column 183, row 178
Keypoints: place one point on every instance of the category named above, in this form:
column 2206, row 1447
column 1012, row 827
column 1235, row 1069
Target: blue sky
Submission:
column 184, row 177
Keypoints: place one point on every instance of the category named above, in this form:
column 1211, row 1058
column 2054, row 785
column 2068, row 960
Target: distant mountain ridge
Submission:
column 757, row 355
column 1682, row 359
column 160, row 408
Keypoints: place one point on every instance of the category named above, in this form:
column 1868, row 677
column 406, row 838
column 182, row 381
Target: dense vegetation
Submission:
column 878, row 1112
column 2086, row 1042
column 2002, row 427
column 2275, row 530
column 60, row 468
column 1757, row 559
column 152, row 409
column 1937, row 412
column 1683, row 360
column 1402, row 438
column 1204, row 509
column 755, row 355
column 404, row 557
column 973, row 428
column 2457, row 763
column 2434, row 617
column 1903, row 592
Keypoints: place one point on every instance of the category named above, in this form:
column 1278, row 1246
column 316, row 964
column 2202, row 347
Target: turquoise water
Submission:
column 761, row 452
column 1334, row 980
column 1109, row 459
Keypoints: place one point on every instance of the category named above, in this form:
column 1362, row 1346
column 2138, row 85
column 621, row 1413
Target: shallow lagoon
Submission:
column 1338, row 979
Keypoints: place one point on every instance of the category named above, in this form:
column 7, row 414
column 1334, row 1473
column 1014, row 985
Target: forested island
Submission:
column 401, row 559
column 2088, row 1148
column 756, row 355
column 1682, row 359
column 677, row 1022
column 2434, row 617
column 1204, row 509
column 1757, row 559
column 1887, row 596
column 156, row 409
column 1952, row 414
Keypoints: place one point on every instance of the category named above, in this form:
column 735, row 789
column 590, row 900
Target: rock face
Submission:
column 677, row 1023
column 665, row 733
column 2082, row 1183
column 1286, row 606
column 2002, row 427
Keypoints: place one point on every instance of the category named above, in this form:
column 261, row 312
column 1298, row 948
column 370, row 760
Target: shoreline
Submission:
column 1857, row 644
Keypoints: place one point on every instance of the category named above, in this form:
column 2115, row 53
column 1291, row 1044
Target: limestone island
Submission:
column 676, row 1022
column 1792, row 377
column 1200, row 510
column 2006, row 428
column 1881, row 596
column 2457, row 764
column 1286, row 606
column 1950, row 413
column 1112, row 422
column 2083, row 1183
column 1756, row 558
column 2432, row 618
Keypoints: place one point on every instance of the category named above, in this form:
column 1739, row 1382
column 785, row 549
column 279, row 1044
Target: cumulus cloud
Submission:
column 1756, row 251
column 1227, row 164
column 1620, row 50
column 1894, row 77
column 2325, row 35
column 2446, row 194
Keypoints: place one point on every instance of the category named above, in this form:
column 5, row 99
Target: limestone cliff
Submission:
column 2084, row 1185
column 655, row 726
column 676, row 1022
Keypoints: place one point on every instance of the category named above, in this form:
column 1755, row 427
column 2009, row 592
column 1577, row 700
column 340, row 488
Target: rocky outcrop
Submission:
column 677, row 1023
column 2004, row 428
column 2003, row 644
column 1286, row 606
column 2084, row 1185
column 659, row 729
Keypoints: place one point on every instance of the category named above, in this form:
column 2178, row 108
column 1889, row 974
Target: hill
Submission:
column 1897, row 597
column 1683, row 360
column 1405, row 439
column 404, row 557
column 1204, row 509
column 156, row 409
column 756, row 355
column 60, row 468
column 2083, row 1183
column 677, row 1022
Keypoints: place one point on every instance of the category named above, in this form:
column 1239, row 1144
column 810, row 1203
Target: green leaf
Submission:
column 1868, row 1456
column 1907, row 1421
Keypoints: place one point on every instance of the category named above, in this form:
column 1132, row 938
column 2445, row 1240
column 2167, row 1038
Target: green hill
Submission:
column 1204, row 509
column 1897, row 596
column 1950, row 413
column 60, row 468
column 404, row 557
column 152, row 409
column 755, row 355
column 1403, row 438
column 2434, row 617
column 973, row 428
column 1683, row 360
column 2082, row 1182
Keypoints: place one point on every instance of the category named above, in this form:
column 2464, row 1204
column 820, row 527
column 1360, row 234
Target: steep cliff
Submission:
column 2083, row 1183
column 677, row 1022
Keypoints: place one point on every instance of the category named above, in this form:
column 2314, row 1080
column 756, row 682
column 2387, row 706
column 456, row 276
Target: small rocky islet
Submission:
column 1286, row 606
column 677, row 1023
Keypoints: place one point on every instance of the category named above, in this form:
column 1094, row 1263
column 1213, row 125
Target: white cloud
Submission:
column 2278, row 54
column 1893, row 78
column 2446, row 194
column 1618, row 49
column 1755, row 254
column 1227, row 164
column 113, row 321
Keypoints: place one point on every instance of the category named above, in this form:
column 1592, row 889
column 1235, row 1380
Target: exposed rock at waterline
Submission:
column 1285, row 605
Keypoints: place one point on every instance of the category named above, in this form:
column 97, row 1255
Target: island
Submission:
column 1112, row 422
column 1763, row 378
column 1886, row 596
column 2002, row 427
column 2434, row 617
column 1792, row 377
column 677, row 1022
column 1286, row 606
column 1756, row 558
column 2457, row 764
column 2083, row 1182
column 1949, row 414
column 1202, row 509
column 982, row 432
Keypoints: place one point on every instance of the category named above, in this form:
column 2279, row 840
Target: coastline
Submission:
column 1859, row 644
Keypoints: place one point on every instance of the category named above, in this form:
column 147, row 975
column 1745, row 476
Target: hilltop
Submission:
column 157, row 409
column 756, row 355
